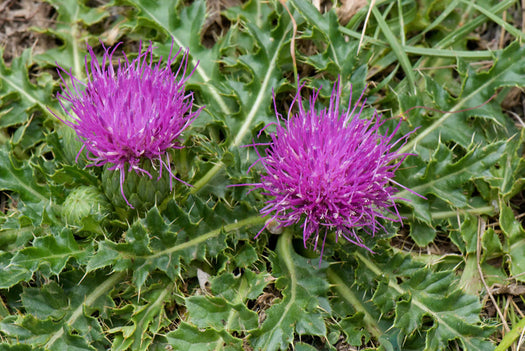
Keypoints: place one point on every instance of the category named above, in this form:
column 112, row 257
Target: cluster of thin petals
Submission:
column 329, row 169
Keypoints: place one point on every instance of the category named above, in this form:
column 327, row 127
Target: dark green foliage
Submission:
column 184, row 272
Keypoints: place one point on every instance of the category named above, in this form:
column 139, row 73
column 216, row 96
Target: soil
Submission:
column 17, row 18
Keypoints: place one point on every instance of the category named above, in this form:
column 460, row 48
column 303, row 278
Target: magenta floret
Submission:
column 134, row 111
column 330, row 169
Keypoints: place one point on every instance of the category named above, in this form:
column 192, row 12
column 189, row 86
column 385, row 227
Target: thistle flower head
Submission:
column 329, row 169
column 132, row 112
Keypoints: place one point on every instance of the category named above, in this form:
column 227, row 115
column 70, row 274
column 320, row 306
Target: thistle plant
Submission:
column 131, row 115
column 81, row 270
column 329, row 169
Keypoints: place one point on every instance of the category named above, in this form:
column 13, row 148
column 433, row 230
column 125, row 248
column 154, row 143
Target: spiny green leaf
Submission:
column 339, row 52
column 423, row 293
column 158, row 242
column 303, row 289
column 261, row 63
column 509, row 177
column 354, row 331
column 147, row 319
column 469, row 234
column 45, row 302
column 248, row 285
column 515, row 244
column 478, row 88
column 15, row 232
column 445, row 177
column 72, row 327
column 18, row 176
column 48, row 255
column 491, row 244
column 17, row 94
column 218, row 313
column 10, row 274
column 352, row 305
column 191, row 338
column 133, row 284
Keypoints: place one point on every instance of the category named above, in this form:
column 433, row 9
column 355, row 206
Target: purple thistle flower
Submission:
column 330, row 169
column 128, row 113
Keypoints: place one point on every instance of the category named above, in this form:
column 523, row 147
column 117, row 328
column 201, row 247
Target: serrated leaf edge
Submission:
column 414, row 300
column 89, row 300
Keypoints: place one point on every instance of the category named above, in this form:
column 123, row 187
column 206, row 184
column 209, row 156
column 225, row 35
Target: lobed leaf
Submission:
column 162, row 243
column 477, row 89
column 48, row 255
column 188, row 337
column 302, row 307
column 446, row 177
column 18, row 95
column 427, row 306
column 72, row 327
column 218, row 313
column 18, row 176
